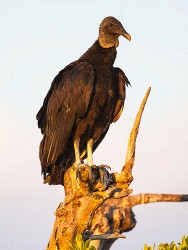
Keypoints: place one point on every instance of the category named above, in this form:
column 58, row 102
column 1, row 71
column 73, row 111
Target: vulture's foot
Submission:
column 105, row 166
column 84, row 172
column 105, row 179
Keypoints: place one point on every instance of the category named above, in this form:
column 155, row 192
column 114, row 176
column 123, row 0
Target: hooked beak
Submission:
column 126, row 35
column 123, row 32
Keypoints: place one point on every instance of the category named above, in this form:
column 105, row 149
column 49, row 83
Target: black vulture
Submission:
column 83, row 100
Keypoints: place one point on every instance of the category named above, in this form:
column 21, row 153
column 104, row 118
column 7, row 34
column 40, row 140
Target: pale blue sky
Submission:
column 39, row 39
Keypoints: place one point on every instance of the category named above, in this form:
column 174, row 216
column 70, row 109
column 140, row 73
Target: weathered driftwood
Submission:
column 98, row 204
column 116, row 215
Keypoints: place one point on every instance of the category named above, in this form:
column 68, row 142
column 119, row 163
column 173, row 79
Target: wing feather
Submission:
column 67, row 104
column 121, row 81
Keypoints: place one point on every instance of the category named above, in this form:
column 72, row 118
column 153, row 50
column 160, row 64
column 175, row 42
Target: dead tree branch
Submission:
column 100, row 206
column 116, row 215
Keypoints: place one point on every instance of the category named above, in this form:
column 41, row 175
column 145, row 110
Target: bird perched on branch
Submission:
column 84, row 99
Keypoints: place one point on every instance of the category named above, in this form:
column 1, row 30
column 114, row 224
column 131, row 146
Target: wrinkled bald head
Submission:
column 109, row 31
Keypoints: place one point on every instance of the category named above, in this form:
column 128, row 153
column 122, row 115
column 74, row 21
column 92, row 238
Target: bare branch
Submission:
column 132, row 139
column 126, row 174
column 116, row 215
column 138, row 199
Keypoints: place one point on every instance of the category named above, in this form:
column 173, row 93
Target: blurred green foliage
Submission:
column 80, row 244
column 172, row 246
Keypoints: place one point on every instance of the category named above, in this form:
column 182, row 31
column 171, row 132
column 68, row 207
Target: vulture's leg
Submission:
column 77, row 151
column 79, row 161
column 90, row 152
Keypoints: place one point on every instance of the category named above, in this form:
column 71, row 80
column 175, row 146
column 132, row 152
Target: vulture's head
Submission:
column 109, row 31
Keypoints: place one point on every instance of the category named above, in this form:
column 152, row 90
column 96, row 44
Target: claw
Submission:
column 105, row 178
column 78, row 166
column 105, row 166
column 84, row 172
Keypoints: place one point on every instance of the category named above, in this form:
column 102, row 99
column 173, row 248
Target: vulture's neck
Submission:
column 96, row 55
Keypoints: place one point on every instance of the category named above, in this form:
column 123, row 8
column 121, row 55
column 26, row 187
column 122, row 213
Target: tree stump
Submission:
column 98, row 204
